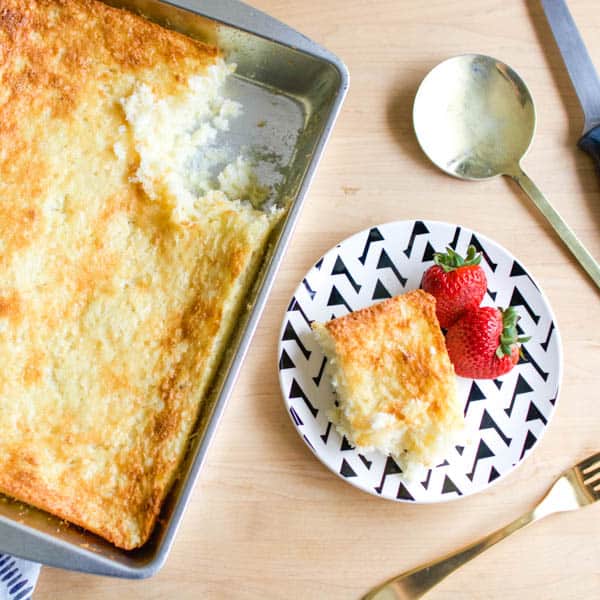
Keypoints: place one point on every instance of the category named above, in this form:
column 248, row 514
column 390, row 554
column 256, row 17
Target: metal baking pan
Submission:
column 293, row 90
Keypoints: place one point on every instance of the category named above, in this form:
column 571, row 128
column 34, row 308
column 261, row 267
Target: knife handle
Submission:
column 590, row 143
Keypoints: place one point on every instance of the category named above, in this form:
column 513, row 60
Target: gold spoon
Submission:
column 474, row 118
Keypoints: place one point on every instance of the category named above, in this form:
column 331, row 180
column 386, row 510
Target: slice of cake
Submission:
column 394, row 382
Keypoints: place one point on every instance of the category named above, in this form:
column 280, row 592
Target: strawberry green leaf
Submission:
column 451, row 260
column 509, row 336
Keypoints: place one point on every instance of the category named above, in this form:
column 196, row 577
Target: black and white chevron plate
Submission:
column 505, row 417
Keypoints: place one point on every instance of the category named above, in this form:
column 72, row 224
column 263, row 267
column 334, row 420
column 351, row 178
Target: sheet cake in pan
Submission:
column 117, row 289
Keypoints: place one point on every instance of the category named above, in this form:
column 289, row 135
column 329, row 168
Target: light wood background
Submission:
column 267, row 520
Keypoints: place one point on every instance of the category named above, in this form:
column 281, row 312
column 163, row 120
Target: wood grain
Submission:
column 267, row 520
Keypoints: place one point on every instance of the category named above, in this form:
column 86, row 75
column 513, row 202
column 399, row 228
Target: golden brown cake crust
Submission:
column 112, row 317
column 394, row 381
column 391, row 319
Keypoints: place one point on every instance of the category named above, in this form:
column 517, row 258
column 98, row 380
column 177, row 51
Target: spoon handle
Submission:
column 565, row 233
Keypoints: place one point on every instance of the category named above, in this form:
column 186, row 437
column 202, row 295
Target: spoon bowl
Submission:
column 475, row 119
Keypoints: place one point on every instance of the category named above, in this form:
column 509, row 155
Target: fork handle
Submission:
column 418, row 581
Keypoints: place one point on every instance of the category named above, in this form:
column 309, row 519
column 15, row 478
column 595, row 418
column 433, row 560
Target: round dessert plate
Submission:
column 505, row 417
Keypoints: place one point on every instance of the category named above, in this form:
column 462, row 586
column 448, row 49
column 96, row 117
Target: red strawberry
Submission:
column 484, row 343
column 458, row 284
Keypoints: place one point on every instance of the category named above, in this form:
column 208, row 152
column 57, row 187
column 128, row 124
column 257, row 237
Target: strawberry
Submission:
column 458, row 284
column 484, row 343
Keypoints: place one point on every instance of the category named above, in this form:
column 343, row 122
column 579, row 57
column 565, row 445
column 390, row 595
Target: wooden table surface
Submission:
column 267, row 520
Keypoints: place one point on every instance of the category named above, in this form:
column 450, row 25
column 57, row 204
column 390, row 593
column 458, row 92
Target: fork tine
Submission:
column 592, row 477
column 588, row 463
column 592, row 467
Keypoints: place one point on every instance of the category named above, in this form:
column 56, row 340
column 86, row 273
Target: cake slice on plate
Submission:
column 394, row 382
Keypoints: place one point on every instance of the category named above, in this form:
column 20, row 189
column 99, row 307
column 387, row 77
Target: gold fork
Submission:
column 576, row 487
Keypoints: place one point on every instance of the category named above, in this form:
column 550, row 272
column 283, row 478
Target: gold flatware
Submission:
column 575, row 488
column 474, row 118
